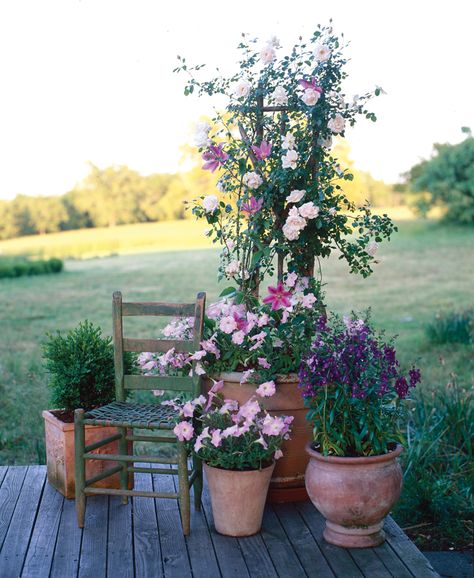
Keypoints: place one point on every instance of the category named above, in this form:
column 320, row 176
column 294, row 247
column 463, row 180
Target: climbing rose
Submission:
column 252, row 180
column 242, row 89
column 337, row 124
column 210, row 203
column 295, row 196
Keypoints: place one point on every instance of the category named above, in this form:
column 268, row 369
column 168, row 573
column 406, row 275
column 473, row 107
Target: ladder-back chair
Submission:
column 127, row 416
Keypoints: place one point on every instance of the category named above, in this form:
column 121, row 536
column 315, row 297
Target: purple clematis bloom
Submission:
column 311, row 84
column 263, row 151
column 278, row 297
column 252, row 207
column 214, row 157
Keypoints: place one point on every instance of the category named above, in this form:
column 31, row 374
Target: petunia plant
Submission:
column 281, row 188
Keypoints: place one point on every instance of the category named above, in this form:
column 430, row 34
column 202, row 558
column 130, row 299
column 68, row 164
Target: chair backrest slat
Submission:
column 158, row 309
column 122, row 344
column 157, row 345
column 134, row 382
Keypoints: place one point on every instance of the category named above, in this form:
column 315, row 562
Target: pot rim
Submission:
column 235, row 376
column 248, row 472
column 354, row 461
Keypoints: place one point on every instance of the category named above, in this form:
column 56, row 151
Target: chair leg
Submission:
column 123, row 449
column 80, row 465
column 198, row 483
column 184, row 498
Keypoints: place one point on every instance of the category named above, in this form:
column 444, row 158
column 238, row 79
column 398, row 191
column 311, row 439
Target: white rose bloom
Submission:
column 310, row 97
column 275, row 42
column 267, row 54
column 242, row 89
column 332, row 211
column 294, row 221
column 321, row 52
column 252, row 180
column 210, row 203
column 372, row 248
column 337, row 124
column 232, row 268
column 201, row 135
column 309, row 211
column 288, row 141
column 288, row 161
column 291, row 233
column 220, row 186
column 280, row 96
column 295, row 196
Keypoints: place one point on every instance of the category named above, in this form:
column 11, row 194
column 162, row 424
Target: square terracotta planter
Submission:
column 60, row 455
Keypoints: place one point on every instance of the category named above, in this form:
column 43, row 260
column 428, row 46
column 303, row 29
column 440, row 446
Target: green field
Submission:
column 425, row 269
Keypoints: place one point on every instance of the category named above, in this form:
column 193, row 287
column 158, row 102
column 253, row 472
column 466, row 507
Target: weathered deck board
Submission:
column 39, row 538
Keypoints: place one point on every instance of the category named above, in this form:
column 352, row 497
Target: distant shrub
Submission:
column 81, row 365
column 452, row 327
column 11, row 267
column 437, row 499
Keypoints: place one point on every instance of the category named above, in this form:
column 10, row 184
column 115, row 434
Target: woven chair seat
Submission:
column 139, row 415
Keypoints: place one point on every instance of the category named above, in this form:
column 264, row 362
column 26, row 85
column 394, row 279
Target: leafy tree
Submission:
column 447, row 180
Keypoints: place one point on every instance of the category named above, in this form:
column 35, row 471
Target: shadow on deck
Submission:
column 39, row 537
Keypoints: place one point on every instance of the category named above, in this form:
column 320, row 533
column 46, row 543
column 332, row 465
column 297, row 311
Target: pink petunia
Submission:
column 263, row 151
column 278, row 454
column 266, row 389
column 249, row 410
column 183, row 431
column 252, row 207
column 214, row 157
column 278, row 297
column 262, row 361
column 188, row 409
column 216, row 438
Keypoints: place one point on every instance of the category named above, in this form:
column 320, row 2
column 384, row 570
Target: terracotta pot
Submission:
column 354, row 495
column 238, row 499
column 60, row 455
column 287, row 483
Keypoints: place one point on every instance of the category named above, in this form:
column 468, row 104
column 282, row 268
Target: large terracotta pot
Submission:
column 238, row 499
column 60, row 465
column 287, row 483
column 354, row 495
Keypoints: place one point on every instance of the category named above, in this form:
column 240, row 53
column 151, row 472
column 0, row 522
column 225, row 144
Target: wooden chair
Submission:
column 128, row 416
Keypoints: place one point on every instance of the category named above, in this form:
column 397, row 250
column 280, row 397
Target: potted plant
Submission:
column 238, row 444
column 352, row 384
column 279, row 199
column 81, row 366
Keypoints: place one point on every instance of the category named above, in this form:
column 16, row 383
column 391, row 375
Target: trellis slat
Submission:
column 158, row 382
column 158, row 309
column 157, row 345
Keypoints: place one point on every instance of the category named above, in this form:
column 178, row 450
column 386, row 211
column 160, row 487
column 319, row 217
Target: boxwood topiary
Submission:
column 81, row 365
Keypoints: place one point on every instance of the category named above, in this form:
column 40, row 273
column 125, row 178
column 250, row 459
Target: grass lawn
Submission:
column 426, row 268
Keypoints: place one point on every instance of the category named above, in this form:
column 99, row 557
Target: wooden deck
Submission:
column 39, row 538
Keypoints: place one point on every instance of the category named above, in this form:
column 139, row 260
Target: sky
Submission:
column 91, row 80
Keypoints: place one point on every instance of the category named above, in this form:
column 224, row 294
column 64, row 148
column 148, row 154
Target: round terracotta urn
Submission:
column 354, row 495
column 287, row 483
column 238, row 499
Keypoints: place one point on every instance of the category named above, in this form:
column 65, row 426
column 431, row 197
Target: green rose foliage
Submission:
column 289, row 107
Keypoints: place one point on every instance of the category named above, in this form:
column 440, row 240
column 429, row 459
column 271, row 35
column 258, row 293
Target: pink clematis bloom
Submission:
column 310, row 84
column 263, row 151
column 252, row 207
column 214, row 157
column 278, row 297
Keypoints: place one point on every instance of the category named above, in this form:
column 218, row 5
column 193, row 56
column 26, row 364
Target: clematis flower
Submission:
column 263, row 151
column 278, row 297
column 214, row 157
column 310, row 84
column 252, row 207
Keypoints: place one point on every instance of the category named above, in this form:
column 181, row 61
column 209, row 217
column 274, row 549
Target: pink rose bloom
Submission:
column 183, row 431
column 238, row 337
column 266, row 389
column 309, row 210
column 267, row 54
column 295, row 196
column 291, row 279
column 310, row 97
column 262, row 361
column 216, row 438
column 308, row 300
column 228, row 324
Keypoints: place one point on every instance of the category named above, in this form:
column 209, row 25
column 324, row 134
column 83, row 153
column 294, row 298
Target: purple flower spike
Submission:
column 252, row 207
column 263, row 151
column 214, row 157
